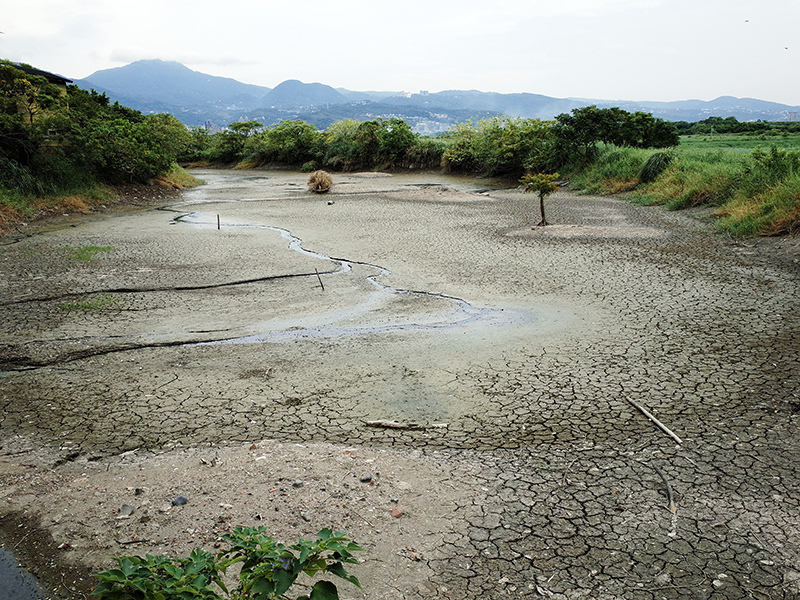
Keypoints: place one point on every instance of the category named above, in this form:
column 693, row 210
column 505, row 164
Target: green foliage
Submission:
column 288, row 142
column 426, row 153
column 655, row 166
column 713, row 126
column 579, row 134
column 395, row 138
column 341, row 148
column 613, row 170
column 543, row 185
column 498, row 146
column 774, row 210
column 767, row 167
column 694, row 179
column 268, row 570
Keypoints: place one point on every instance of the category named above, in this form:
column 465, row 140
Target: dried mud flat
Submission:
column 228, row 367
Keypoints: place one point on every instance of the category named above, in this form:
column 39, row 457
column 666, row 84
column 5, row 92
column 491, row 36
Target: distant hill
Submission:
column 196, row 98
column 294, row 94
column 162, row 84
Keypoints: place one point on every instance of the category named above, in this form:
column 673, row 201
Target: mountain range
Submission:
column 195, row 98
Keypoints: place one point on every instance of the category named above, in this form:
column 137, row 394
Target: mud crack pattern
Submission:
column 572, row 485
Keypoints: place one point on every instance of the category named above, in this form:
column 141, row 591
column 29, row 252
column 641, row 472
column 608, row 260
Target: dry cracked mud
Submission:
column 241, row 366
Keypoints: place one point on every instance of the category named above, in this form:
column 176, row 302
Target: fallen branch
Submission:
column 663, row 427
column 393, row 424
column 670, row 496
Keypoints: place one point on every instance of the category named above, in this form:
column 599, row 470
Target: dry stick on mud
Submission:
column 663, row 427
column 670, row 495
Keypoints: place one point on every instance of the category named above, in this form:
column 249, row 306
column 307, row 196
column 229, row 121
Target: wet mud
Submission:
column 431, row 300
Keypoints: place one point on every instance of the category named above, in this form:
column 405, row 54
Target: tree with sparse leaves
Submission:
column 543, row 185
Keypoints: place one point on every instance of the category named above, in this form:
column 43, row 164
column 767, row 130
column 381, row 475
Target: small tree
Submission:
column 542, row 184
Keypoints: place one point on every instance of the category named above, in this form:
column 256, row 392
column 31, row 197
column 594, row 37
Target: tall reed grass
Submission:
column 755, row 194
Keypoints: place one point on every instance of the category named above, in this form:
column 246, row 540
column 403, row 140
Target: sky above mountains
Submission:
column 611, row 49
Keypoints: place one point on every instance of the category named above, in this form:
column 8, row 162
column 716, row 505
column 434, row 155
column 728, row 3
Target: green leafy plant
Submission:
column 268, row 571
column 543, row 185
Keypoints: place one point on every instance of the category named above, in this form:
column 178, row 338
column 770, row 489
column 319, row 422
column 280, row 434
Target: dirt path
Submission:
column 221, row 365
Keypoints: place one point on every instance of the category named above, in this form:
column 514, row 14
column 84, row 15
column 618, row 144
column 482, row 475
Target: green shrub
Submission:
column 694, row 179
column 655, row 166
column 268, row 570
column 498, row 146
column 612, row 170
column 775, row 210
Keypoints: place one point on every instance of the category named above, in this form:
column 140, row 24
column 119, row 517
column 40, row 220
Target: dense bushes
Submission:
column 54, row 139
column 498, row 146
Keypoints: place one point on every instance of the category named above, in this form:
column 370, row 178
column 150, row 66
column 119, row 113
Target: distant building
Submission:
column 792, row 116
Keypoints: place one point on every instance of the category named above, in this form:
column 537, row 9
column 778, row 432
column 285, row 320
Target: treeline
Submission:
column 57, row 139
column 491, row 147
column 61, row 141
column 722, row 125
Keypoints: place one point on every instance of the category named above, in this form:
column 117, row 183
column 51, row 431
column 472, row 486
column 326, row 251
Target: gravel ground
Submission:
column 219, row 364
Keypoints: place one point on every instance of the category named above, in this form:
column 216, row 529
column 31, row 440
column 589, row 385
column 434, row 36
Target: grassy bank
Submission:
column 87, row 196
column 755, row 190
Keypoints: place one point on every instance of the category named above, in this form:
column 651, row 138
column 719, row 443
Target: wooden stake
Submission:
column 217, row 222
column 320, row 280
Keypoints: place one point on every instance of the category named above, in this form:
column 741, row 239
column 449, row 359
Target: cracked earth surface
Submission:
column 213, row 363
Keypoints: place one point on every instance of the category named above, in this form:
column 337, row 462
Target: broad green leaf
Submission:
column 283, row 580
column 324, row 590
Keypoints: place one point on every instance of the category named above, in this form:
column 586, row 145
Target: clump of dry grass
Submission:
column 320, row 182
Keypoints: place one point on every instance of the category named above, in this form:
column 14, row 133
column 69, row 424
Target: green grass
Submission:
column 85, row 253
column 615, row 170
column 98, row 302
column 738, row 143
column 755, row 188
column 694, row 178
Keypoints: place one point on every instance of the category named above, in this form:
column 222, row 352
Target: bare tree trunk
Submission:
column 543, row 222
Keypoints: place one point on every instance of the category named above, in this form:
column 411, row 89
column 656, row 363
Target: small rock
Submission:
column 365, row 478
column 298, row 484
column 125, row 511
column 397, row 513
column 254, row 447
column 180, row 501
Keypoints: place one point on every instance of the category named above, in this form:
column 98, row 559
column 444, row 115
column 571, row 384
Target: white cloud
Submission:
column 639, row 49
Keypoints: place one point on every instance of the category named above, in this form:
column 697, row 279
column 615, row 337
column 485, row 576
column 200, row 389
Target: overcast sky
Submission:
column 602, row 49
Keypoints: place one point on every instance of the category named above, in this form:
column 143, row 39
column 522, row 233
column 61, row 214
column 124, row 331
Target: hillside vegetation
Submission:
column 62, row 147
column 65, row 146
